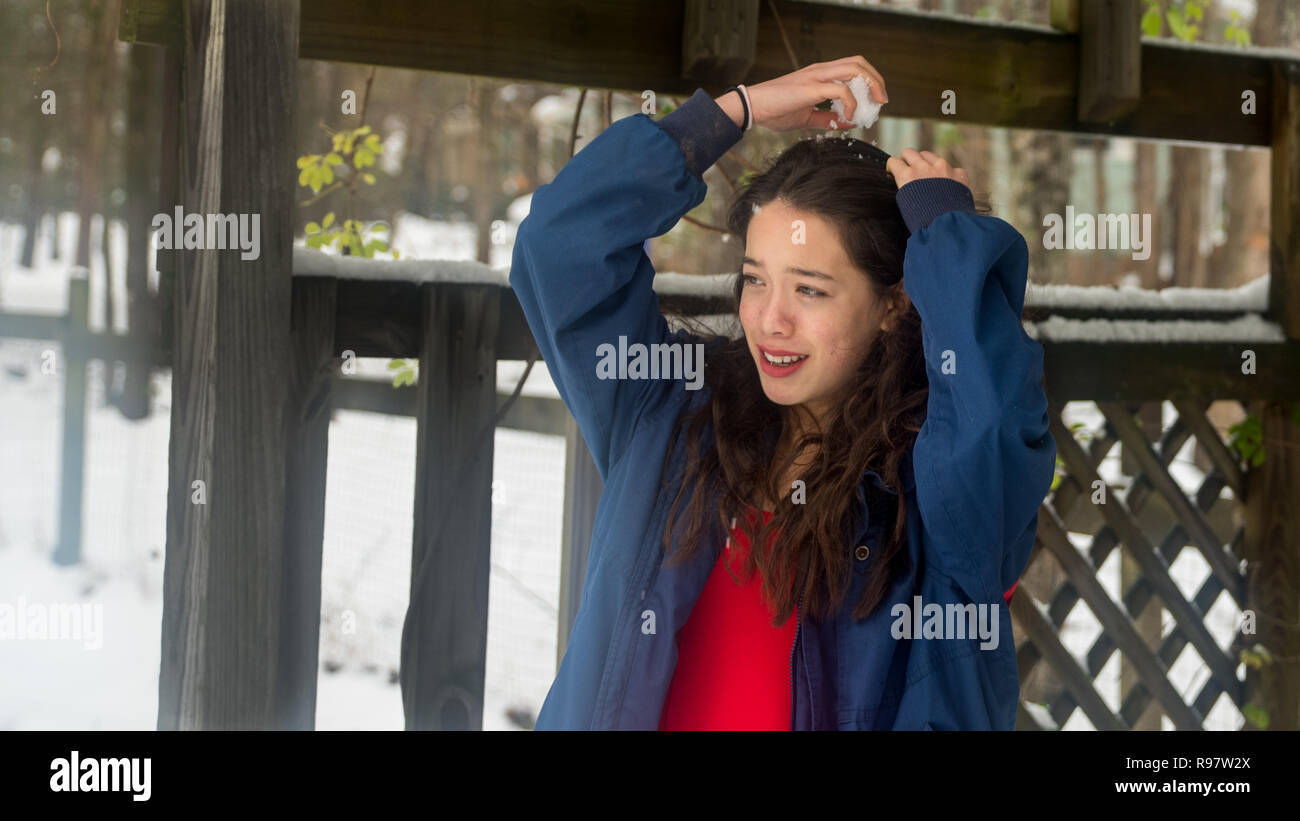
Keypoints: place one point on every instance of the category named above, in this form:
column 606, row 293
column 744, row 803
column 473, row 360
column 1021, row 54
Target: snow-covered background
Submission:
column 58, row 684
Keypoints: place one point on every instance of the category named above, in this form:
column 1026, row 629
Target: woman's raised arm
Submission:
column 984, row 458
column 580, row 270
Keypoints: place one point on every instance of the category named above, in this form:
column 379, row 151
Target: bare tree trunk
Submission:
column 1040, row 188
column 426, row 146
column 1187, row 185
column 93, row 119
column 1146, row 199
column 1244, row 254
column 36, row 194
column 1104, row 267
column 483, row 152
column 142, row 147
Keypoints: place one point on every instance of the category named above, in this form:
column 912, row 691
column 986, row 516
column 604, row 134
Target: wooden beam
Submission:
column 225, row 554
column 444, row 642
column 1110, row 60
column 535, row 414
column 72, row 454
column 375, row 319
column 306, row 460
column 1005, row 75
column 718, row 39
column 1284, row 213
column 1146, row 371
column 1272, row 552
column 582, row 487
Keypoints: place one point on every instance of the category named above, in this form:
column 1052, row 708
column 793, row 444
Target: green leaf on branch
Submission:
column 1178, row 24
column 1151, row 21
column 1256, row 657
column 1247, row 441
column 1256, row 715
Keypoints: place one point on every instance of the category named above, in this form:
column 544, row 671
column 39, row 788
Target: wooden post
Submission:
column 222, row 588
column 444, row 640
column 1271, row 546
column 582, row 487
column 718, row 40
column 1110, row 59
column 72, row 460
column 1284, row 213
column 306, row 458
column 1272, row 533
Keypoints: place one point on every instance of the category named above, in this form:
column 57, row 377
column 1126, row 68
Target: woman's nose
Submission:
column 777, row 318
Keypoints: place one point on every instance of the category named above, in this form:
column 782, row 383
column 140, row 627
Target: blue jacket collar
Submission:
column 905, row 475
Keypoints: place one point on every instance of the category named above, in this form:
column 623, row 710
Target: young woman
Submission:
column 880, row 428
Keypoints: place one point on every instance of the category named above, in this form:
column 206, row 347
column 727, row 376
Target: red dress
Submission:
column 733, row 666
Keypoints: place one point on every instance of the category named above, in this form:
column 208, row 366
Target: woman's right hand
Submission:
column 786, row 103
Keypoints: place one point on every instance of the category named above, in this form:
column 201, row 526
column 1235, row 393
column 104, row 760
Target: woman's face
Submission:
column 803, row 298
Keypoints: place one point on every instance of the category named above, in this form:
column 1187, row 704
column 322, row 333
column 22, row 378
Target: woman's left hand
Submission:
column 911, row 164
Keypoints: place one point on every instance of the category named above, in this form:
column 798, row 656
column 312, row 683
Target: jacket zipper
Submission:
column 798, row 626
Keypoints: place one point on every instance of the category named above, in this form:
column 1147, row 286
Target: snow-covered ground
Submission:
column 107, row 677
column 61, row 684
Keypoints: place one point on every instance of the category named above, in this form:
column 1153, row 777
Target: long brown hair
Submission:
column 872, row 427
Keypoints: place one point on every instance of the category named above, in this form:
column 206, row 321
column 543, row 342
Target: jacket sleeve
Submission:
column 984, row 457
column 946, row 701
column 579, row 266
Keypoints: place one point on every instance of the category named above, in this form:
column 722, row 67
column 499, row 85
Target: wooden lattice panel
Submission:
column 1153, row 519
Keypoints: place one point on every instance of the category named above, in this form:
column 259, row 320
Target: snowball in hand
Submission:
column 868, row 109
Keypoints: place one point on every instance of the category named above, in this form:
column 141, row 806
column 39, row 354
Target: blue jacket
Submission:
column 978, row 470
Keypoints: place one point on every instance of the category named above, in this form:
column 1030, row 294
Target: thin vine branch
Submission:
column 704, row 225
column 323, row 192
column 577, row 115
column 58, row 46
column 365, row 99
column 780, row 26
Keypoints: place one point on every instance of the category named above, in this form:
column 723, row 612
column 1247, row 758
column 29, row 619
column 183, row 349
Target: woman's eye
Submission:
column 750, row 279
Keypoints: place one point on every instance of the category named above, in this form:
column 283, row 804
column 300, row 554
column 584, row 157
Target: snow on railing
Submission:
column 310, row 262
column 1253, row 296
column 1251, row 328
column 1250, row 299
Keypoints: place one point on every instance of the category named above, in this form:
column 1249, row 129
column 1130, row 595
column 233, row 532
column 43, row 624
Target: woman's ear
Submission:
column 896, row 304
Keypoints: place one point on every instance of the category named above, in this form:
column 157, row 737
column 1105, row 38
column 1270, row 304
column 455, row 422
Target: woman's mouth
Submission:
column 782, row 364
